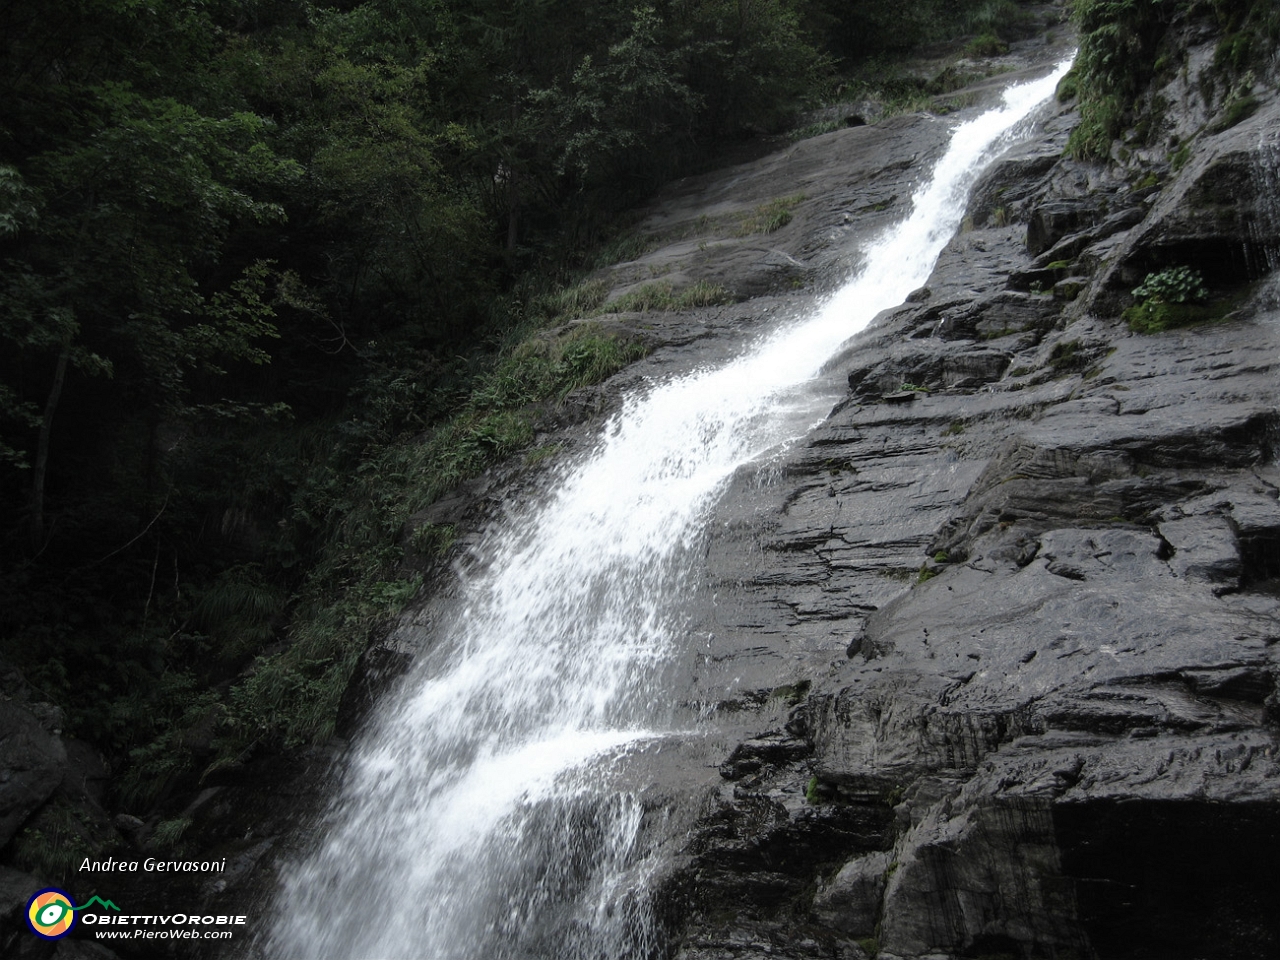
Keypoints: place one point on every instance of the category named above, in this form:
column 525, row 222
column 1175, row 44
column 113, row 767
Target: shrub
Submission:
column 987, row 45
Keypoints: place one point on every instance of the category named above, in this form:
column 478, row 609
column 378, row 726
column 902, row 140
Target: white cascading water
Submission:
column 478, row 817
column 1266, row 181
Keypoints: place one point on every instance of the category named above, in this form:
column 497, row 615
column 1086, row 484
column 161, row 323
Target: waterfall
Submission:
column 1266, row 183
column 482, row 813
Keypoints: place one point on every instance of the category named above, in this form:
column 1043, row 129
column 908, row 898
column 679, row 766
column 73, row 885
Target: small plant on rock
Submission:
column 1174, row 285
column 770, row 216
column 1174, row 297
column 814, row 792
column 1066, row 357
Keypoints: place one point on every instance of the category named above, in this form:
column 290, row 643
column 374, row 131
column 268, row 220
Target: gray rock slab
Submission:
column 31, row 766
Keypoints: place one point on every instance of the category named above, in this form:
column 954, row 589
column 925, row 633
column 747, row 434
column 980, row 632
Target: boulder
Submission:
column 1054, row 219
column 31, row 766
column 851, row 902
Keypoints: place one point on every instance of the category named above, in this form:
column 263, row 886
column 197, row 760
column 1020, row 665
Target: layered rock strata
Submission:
column 1029, row 572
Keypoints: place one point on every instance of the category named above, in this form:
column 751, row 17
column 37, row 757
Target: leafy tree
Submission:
column 747, row 59
column 621, row 109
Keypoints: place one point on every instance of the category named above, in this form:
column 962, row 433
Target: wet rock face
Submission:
column 1112, row 848
column 1036, row 593
column 51, row 790
column 31, row 761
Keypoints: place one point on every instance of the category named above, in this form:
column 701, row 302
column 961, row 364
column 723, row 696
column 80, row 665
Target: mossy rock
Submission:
column 1155, row 317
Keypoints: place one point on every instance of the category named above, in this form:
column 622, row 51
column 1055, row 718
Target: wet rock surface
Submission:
column 1028, row 566
column 31, row 761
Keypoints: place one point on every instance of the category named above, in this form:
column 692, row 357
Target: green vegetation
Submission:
column 1237, row 110
column 1174, row 297
column 1173, row 285
column 355, row 584
column 1118, row 40
column 277, row 276
column 902, row 90
column 168, row 833
column 1067, row 357
column 815, row 130
column 1119, row 54
column 987, row 45
column 811, row 791
column 55, row 841
column 770, row 216
column 869, row 40
column 1180, row 156
column 1068, row 86
column 1157, row 317
column 531, row 459
column 430, row 540
column 873, row 29
column 792, row 693
column 1250, row 32
column 662, row 295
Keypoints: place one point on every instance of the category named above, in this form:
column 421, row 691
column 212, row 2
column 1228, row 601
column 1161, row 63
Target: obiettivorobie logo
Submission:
column 51, row 913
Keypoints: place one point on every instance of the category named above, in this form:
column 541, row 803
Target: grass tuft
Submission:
column 769, row 217
column 662, row 296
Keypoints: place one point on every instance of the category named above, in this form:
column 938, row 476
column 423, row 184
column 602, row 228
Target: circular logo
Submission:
column 51, row 913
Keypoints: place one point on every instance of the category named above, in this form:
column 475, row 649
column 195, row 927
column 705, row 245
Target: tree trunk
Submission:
column 513, row 218
column 42, row 448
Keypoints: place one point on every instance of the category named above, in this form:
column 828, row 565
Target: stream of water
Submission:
column 479, row 817
column 1266, row 180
